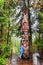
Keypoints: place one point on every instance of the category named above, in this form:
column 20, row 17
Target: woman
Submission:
column 21, row 50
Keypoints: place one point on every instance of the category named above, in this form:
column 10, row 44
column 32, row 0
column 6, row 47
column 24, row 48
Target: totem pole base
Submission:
column 25, row 57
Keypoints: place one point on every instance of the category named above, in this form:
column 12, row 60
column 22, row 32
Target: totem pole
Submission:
column 26, row 30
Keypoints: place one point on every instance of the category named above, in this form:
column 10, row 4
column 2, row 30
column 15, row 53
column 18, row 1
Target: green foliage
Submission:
column 40, row 44
column 4, row 18
column 5, row 49
column 41, row 20
column 1, row 3
column 6, row 29
column 40, row 16
column 2, row 61
column 12, row 5
column 16, row 43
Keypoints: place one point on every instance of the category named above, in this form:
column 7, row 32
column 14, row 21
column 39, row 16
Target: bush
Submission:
column 2, row 61
column 5, row 52
column 1, row 3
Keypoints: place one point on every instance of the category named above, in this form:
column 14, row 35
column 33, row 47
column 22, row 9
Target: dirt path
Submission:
column 16, row 61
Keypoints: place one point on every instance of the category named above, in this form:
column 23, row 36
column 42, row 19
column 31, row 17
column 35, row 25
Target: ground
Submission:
column 15, row 61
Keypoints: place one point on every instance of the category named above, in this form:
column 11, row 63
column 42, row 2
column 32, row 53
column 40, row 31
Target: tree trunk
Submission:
column 8, row 34
column 30, row 36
